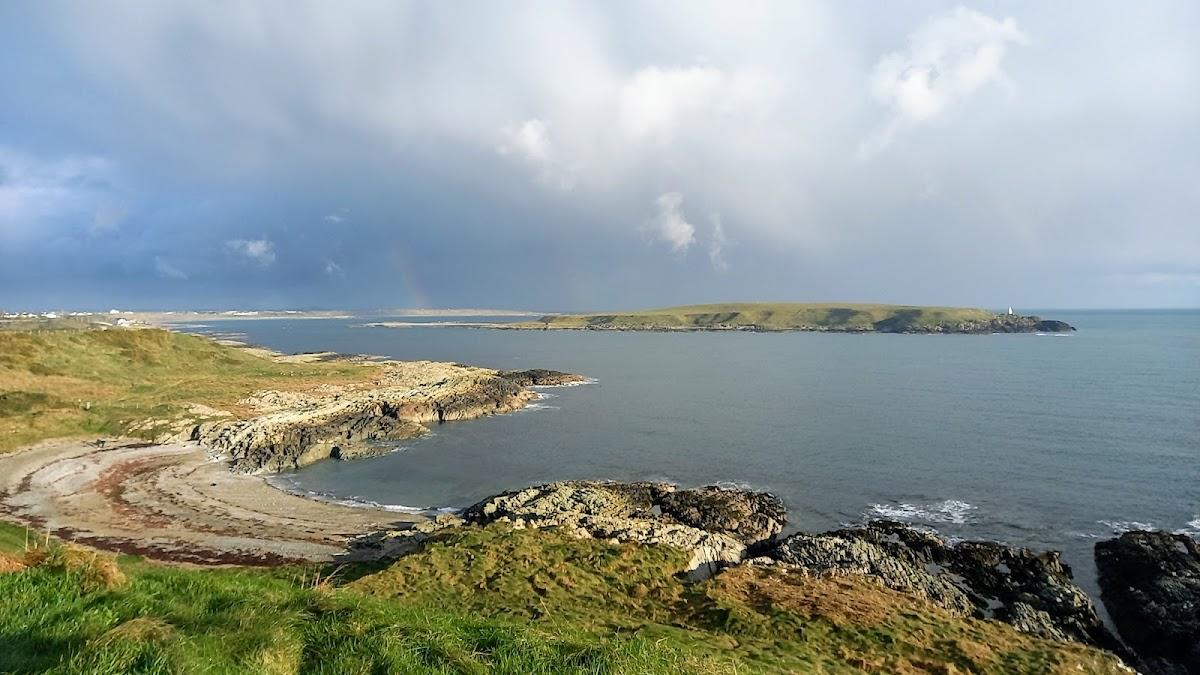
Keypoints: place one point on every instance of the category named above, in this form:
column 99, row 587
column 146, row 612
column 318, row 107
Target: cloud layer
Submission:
column 304, row 154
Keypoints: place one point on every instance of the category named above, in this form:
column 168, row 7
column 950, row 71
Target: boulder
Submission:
column 1150, row 584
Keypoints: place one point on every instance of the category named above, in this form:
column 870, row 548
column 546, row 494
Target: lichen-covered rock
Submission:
column 1150, row 584
column 715, row 524
column 1033, row 591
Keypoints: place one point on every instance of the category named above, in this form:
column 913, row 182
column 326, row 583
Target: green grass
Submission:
column 66, row 382
column 495, row 600
column 771, row 316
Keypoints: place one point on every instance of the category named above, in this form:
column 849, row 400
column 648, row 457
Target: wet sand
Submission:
column 170, row 502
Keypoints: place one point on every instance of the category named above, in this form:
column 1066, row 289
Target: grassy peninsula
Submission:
column 793, row 316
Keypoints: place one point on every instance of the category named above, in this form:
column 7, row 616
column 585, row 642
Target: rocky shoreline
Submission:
column 295, row 430
column 1151, row 581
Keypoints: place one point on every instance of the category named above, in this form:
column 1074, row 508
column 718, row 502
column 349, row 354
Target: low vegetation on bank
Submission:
column 139, row 383
column 772, row 316
column 481, row 600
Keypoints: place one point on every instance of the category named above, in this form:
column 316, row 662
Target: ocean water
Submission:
column 1035, row 440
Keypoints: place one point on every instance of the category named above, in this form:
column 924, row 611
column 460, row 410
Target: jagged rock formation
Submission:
column 717, row 525
column 538, row 377
column 1032, row 591
column 1150, row 584
column 294, row 430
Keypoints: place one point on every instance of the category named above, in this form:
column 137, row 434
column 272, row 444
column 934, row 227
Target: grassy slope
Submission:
column 57, row 383
column 498, row 600
column 768, row 316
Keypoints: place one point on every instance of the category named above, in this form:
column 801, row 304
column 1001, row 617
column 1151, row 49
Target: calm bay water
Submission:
column 1042, row 441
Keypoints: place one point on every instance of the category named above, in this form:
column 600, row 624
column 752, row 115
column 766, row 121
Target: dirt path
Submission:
column 169, row 502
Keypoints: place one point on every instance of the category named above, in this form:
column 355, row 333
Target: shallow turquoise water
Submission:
column 1044, row 441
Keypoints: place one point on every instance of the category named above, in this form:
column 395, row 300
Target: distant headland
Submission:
column 792, row 316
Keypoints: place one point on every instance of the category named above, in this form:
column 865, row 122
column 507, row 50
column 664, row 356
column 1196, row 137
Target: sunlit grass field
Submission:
column 72, row 382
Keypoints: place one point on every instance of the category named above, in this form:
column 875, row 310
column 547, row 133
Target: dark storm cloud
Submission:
column 571, row 155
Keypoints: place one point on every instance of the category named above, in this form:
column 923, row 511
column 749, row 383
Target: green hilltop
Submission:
column 849, row 317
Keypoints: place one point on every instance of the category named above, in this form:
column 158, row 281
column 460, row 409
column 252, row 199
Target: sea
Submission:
column 1051, row 441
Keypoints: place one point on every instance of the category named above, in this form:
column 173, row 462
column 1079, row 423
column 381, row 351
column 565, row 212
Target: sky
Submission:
column 598, row 156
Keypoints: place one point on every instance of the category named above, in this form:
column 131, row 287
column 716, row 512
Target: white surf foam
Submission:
column 1192, row 529
column 1123, row 526
column 286, row 485
column 953, row 511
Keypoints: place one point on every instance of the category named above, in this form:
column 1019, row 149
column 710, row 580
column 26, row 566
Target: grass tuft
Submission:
column 93, row 569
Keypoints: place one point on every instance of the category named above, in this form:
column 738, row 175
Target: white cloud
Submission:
column 258, row 251
column 656, row 100
column 164, row 269
column 949, row 57
column 335, row 218
column 530, row 142
column 670, row 225
column 716, row 245
column 654, row 97
column 333, row 270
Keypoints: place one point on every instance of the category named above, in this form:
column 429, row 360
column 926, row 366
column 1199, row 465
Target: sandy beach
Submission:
column 170, row 502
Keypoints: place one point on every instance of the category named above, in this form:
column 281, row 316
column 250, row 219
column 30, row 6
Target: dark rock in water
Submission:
column 1051, row 326
column 363, row 450
column 538, row 377
column 1150, row 584
column 717, row 525
column 1032, row 591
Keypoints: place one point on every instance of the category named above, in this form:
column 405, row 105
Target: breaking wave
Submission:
column 947, row 511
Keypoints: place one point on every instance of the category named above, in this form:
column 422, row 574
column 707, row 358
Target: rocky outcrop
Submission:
column 389, row 544
column 294, row 430
column 1150, row 584
column 717, row 525
column 1032, row 591
column 753, row 518
column 1001, row 323
column 538, row 377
